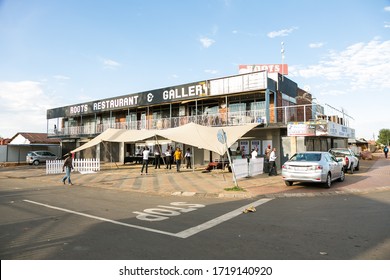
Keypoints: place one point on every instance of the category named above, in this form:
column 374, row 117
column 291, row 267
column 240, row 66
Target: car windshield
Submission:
column 306, row 157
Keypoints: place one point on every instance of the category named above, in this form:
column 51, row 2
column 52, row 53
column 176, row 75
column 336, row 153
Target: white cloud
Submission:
column 362, row 65
column 281, row 33
column 206, row 42
column 387, row 25
column 61, row 77
column 387, row 8
column 23, row 106
column 110, row 64
column 211, row 71
column 333, row 92
column 316, row 45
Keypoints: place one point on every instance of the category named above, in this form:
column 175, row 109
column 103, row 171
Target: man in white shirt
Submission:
column 145, row 160
column 254, row 153
column 272, row 164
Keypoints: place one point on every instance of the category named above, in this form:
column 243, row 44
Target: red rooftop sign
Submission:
column 271, row 68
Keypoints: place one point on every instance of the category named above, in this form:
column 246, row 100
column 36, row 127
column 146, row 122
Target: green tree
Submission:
column 384, row 136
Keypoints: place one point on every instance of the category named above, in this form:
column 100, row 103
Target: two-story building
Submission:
column 286, row 116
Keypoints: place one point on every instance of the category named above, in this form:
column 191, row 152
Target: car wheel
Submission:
column 342, row 176
column 352, row 168
column 357, row 167
column 288, row 183
column 36, row 162
column 328, row 182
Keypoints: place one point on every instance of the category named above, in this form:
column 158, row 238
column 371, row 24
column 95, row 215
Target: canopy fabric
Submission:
column 117, row 135
column 203, row 137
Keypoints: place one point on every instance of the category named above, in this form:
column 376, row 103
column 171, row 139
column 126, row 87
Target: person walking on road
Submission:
column 272, row 164
column 386, row 150
column 67, row 167
column 177, row 157
column 145, row 160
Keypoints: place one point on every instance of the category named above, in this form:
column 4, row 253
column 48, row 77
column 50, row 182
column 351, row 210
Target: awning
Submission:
column 202, row 137
column 205, row 137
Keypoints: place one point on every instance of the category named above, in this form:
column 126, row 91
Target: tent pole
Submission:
column 109, row 151
column 193, row 159
column 230, row 160
column 158, row 145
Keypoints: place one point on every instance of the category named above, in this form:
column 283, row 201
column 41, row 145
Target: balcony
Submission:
column 277, row 116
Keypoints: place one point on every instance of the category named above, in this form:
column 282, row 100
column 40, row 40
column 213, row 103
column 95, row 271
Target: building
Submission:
column 23, row 142
column 271, row 100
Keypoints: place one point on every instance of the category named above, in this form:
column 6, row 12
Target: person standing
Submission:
column 188, row 158
column 145, row 160
column 272, row 164
column 267, row 152
column 243, row 152
column 254, row 153
column 168, row 157
column 67, row 167
column 157, row 157
column 177, row 157
column 386, row 150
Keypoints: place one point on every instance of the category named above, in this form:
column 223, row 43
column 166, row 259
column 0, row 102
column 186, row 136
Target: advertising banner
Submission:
column 319, row 128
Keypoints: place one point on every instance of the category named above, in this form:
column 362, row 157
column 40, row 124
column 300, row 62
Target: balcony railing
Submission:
column 277, row 115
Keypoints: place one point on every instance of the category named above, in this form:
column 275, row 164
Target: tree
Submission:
column 384, row 136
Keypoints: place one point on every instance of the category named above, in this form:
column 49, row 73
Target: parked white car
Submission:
column 350, row 160
column 316, row 167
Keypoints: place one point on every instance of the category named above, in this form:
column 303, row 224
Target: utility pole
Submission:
column 282, row 52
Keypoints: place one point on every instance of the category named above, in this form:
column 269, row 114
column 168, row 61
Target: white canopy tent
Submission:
column 202, row 137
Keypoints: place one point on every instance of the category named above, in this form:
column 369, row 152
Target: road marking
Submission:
column 99, row 218
column 183, row 234
column 212, row 223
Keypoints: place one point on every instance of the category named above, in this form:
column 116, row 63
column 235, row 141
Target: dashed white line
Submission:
column 183, row 234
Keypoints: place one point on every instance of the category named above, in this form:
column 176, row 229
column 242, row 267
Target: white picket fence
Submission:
column 81, row 165
column 243, row 168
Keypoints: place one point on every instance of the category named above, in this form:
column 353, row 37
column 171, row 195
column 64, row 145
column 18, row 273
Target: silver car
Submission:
column 36, row 157
column 318, row 167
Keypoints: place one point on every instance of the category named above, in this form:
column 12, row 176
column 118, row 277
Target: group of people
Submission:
column 269, row 161
column 170, row 157
column 176, row 157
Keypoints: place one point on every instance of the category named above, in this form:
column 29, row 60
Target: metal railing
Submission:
column 277, row 115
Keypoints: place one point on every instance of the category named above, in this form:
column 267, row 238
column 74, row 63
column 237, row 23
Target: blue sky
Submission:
column 55, row 53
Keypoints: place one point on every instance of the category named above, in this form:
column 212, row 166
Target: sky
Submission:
column 55, row 53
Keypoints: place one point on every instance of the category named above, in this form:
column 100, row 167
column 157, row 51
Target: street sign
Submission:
column 221, row 136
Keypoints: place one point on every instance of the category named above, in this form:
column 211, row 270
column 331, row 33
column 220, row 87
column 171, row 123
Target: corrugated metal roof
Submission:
column 38, row 138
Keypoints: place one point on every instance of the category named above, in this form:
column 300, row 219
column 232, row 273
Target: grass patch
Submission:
column 235, row 189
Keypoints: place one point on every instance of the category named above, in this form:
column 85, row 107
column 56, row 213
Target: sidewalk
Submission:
column 374, row 175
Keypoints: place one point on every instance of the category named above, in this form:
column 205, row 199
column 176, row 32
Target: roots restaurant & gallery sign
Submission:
column 157, row 96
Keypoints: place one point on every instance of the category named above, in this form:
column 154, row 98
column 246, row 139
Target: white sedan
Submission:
column 318, row 167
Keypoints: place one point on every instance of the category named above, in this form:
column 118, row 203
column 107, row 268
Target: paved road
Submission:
column 106, row 217
column 373, row 175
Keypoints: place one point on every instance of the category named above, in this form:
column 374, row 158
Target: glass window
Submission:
column 237, row 107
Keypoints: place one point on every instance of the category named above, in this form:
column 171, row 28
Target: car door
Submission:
column 46, row 156
column 338, row 166
column 332, row 166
